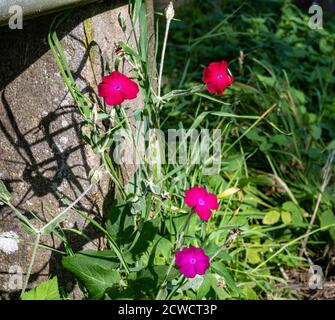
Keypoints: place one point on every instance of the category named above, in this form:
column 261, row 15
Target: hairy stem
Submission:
column 37, row 241
column 161, row 67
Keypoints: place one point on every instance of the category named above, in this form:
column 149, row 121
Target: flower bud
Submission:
column 169, row 11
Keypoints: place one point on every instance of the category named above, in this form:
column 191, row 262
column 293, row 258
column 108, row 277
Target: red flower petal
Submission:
column 115, row 98
column 183, row 257
column 200, row 253
column 194, row 195
column 130, row 89
column 202, row 201
column 211, row 201
column 223, row 64
column 111, row 78
column 188, row 271
column 104, row 89
column 116, row 88
column 209, row 75
column 202, row 266
column 216, row 87
column 191, row 201
column 203, row 212
column 218, row 66
column 217, row 77
column 192, row 261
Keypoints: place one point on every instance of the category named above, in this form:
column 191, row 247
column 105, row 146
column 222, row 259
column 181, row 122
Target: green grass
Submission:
column 277, row 126
column 276, row 60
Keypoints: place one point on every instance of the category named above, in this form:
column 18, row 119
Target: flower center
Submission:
column 117, row 87
column 219, row 76
column 201, row 202
column 193, row 261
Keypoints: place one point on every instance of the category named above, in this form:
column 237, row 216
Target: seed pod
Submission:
column 169, row 11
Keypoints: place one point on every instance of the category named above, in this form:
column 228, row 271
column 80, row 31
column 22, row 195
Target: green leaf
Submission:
column 146, row 236
column 271, row 217
column 299, row 95
column 136, row 10
column 4, row 193
column 254, row 135
column 158, row 273
column 223, row 272
column 130, row 51
column 213, row 248
column 249, row 293
column 316, row 132
column 143, row 32
column 268, row 81
column 331, row 145
column 163, row 250
column 286, row 217
column 94, row 269
column 325, row 46
column 262, row 180
column 265, row 146
column 215, row 284
column 296, row 211
column 253, row 256
column 315, row 153
column 204, row 288
column 5, row 198
column 328, row 218
column 194, row 284
column 120, row 222
column 47, row 290
column 279, row 139
column 52, row 225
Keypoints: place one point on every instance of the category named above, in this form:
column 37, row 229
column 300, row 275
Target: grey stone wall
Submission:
column 42, row 158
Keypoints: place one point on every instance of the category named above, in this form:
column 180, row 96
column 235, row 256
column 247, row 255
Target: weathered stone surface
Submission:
column 42, row 158
column 33, row 8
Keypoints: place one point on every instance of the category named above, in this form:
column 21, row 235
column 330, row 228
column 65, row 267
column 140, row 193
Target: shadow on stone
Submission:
column 42, row 158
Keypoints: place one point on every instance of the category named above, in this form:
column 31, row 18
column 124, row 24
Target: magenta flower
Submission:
column 217, row 76
column 202, row 201
column 116, row 88
column 192, row 261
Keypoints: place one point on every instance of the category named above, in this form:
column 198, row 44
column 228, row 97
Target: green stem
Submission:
column 180, row 238
column 290, row 243
column 111, row 240
column 37, row 241
column 177, row 246
column 179, row 283
column 250, row 128
column 161, row 67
